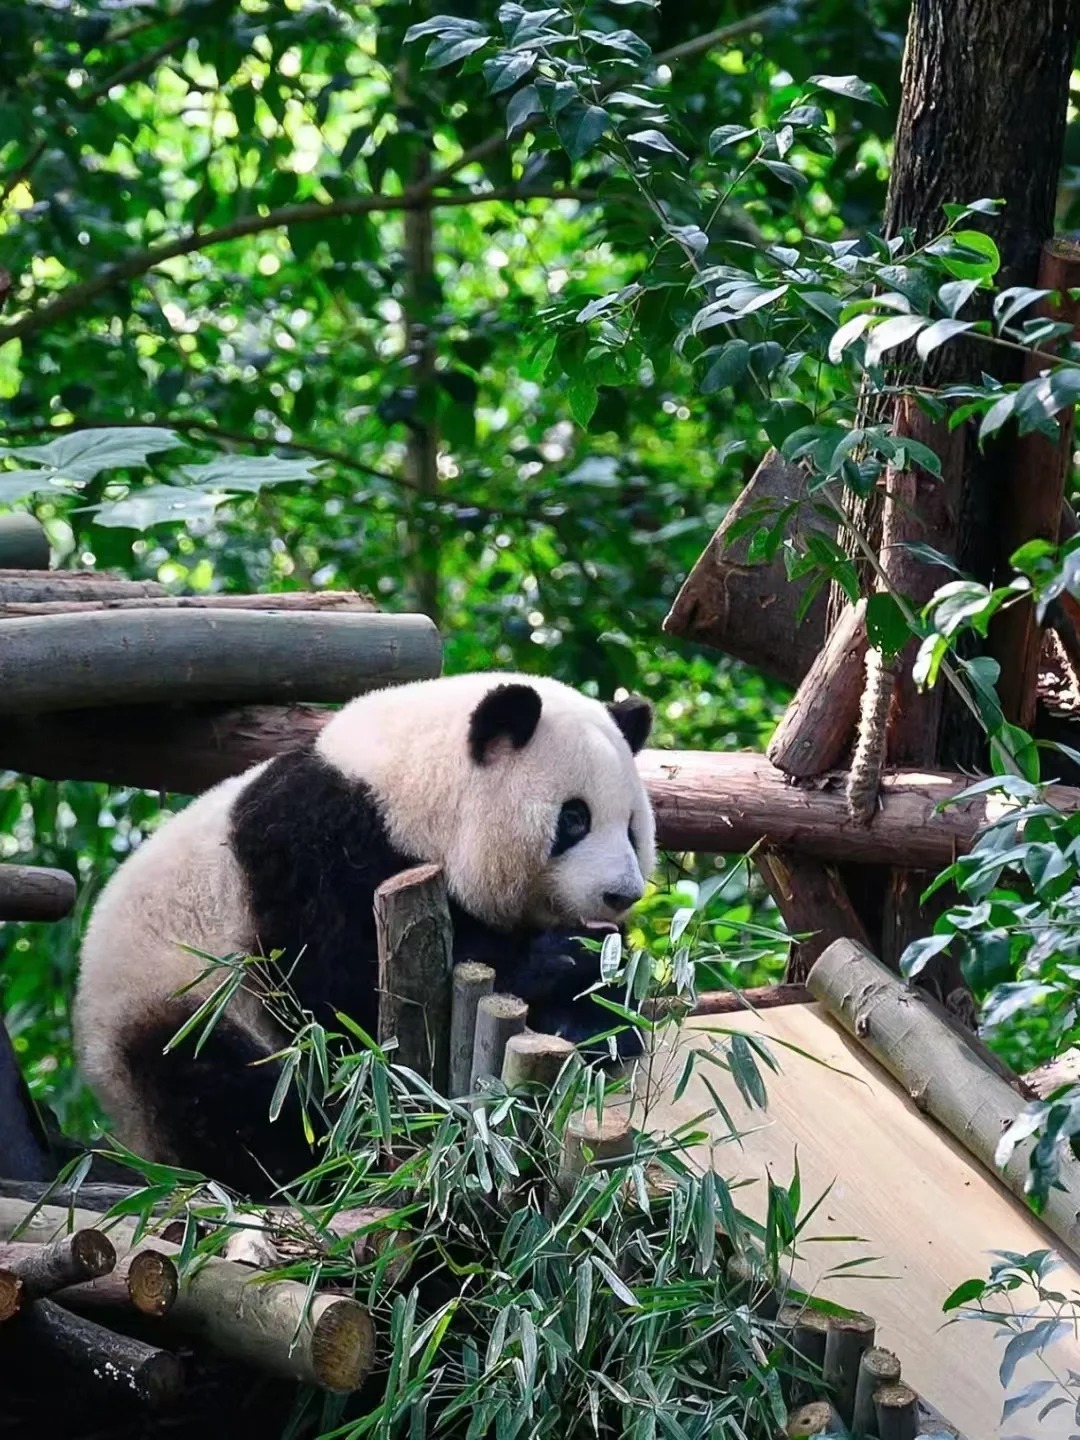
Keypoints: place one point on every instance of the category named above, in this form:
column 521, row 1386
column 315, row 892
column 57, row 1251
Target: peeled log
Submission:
column 24, row 544
column 274, row 1325
column 751, row 610
column 29, row 584
column 939, row 1069
column 138, row 657
column 33, row 892
column 68, row 1260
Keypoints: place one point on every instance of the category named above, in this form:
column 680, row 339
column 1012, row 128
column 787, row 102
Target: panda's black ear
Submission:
column 510, row 712
column 634, row 718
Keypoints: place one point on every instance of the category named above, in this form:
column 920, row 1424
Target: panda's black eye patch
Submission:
column 575, row 822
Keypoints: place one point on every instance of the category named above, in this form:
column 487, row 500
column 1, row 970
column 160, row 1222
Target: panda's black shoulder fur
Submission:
column 313, row 848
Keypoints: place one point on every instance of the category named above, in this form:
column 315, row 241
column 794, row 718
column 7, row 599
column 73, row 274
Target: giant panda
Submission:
column 525, row 791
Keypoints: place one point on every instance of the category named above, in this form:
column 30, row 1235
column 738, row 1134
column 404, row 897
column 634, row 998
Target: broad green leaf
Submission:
column 507, row 68
column 582, row 401
column 891, row 333
column 579, row 130
column 80, row 455
column 727, row 368
column 849, row 85
column 652, row 139
column 848, row 334
column 937, row 333
column 248, row 473
column 522, row 107
column 156, row 505
column 885, row 624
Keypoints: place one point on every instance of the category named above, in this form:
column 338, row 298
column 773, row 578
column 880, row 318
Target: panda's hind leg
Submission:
column 210, row 1111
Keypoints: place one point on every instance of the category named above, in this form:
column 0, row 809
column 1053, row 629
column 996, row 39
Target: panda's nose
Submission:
column 620, row 900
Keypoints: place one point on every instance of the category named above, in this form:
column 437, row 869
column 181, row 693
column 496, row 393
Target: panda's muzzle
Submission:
column 621, row 900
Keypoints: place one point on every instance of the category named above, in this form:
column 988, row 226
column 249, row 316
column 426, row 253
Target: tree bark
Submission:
column 813, row 902
column 288, row 600
column 416, row 941
column 818, row 724
column 34, row 892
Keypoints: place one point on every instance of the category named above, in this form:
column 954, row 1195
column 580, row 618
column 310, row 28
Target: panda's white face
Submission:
column 524, row 790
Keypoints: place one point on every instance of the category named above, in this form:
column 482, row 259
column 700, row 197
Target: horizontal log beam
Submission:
column 305, row 600
column 710, row 803
column 26, row 583
column 33, row 892
column 57, row 662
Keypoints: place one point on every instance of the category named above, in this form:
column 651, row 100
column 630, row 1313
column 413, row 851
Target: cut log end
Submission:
column 342, row 1346
column 153, row 1283
column 12, row 1294
column 532, row 1059
column 897, row 1411
column 817, row 1418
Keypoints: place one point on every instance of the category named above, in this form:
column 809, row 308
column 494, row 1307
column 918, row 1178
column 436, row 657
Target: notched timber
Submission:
column 750, row 610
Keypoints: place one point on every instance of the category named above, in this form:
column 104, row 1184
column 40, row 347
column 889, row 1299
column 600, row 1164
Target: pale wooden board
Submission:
column 930, row 1212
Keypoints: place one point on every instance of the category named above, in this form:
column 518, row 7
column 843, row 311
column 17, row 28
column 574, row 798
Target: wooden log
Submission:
column 470, row 983
column 24, row 544
column 816, row 1418
column 748, row 1282
column 534, row 1060
column 67, row 1260
column 759, row 997
column 146, row 1281
column 497, row 1018
column 12, row 1295
column 897, row 1410
column 273, row 1325
column 416, row 944
column 817, row 726
column 22, row 584
column 751, row 610
column 34, row 892
column 288, row 600
column 249, row 1243
column 813, row 901
column 152, row 656
column 728, row 804
column 877, row 1367
column 102, row 1358
column 588, row 1140
column 940, row 1069
column 1033, row 495
column 847, row 1337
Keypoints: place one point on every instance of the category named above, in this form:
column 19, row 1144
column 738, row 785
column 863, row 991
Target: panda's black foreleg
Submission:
column 211, row 1110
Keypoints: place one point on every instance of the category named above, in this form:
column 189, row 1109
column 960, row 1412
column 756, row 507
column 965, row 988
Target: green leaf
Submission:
column 937, row 333
column 968, row 1290
column 920, row 952
column 654, row 140
column 849, row 85
column 745, row 1073
column 248, row 473
column 522, row 107
column 891, row 333
column 582, row 401
column 444, row 52
column 580, row 130
column 80, row 455
column 885, row 624
column 727, row 368
column 507, row 68
column 847, row 335
column 156, row 505
column 582, row 1304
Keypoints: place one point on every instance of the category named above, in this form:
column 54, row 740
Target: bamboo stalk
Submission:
column 146, row 1281
column 897, row 1411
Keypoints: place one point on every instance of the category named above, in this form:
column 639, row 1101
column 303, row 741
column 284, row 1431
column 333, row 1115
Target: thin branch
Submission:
column 76, row 297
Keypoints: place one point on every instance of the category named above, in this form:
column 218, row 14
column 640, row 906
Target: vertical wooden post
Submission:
column 415, row 938
column 472, row 982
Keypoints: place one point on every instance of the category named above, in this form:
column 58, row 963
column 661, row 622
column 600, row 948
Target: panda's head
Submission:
column 561, row 798
column 523, row 789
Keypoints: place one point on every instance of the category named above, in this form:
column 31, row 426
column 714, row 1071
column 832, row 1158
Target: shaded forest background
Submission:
column 187, row 227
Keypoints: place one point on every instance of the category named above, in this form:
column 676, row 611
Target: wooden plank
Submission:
column 927, row 1214
column 133, row 657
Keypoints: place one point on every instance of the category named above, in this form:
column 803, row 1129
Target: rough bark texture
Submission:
column 813, row 902
column 750, row 610
column 57, row 662
column 289, row 600
column 816, row 728
column 416, row 941
column 68, row 1260
column 34, row 892
column 1034, row 497
column 25, row 583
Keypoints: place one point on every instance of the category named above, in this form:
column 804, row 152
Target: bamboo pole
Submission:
column 847, row 1337
column 146, row 1281
column 877, row 1367
column 944, row 1074
column 67, row 1260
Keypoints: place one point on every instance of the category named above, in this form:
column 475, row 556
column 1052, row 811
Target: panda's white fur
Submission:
column 489, row 825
